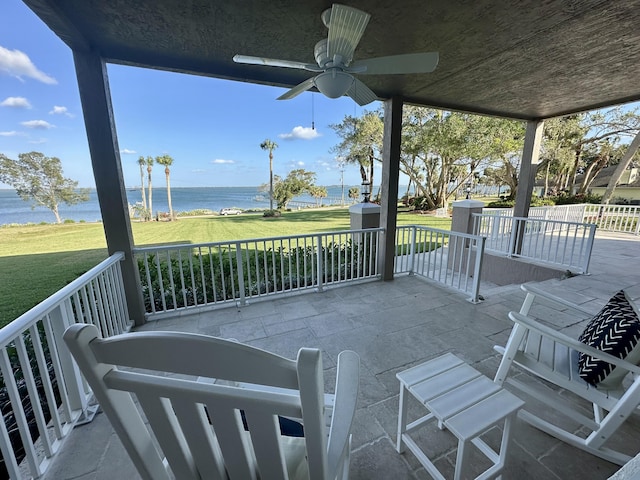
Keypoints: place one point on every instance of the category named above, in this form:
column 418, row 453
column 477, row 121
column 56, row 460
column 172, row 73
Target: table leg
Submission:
column 461, row 460
column 402, row 418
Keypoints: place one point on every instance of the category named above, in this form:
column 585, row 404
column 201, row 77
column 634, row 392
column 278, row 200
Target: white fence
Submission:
column 185, row 277
column 614, row 218
column 44, row 392
column 562, row 244
column 451, row 258
column 611, row 218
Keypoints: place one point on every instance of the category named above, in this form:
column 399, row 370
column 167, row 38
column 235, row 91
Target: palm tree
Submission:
column 142, row 162
column 149, row 162
column 271, row 146
column 166, row 160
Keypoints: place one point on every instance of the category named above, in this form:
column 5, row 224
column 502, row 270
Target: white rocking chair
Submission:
column 553, row 356
column 218, row 431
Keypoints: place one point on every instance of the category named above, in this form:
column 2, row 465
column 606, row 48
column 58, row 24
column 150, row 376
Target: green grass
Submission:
column 38, row 260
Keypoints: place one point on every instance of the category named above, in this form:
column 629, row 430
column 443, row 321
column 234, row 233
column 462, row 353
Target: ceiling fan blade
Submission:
column 297, row 90
column 273, row 62
column 360, row 93
column 346, row 26
column 408, row 63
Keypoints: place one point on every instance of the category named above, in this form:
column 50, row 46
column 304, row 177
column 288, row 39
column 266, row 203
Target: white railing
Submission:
column 614, row 218
column 45, row 392
column 611, row 218
column 181, row 278
column 564, row 213
column 450, row 258
column 558, row 243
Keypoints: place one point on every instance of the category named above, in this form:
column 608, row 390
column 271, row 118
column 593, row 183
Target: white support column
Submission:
column 390, row 176
column 93, row 85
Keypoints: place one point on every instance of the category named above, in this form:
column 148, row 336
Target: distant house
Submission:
column 628, row 187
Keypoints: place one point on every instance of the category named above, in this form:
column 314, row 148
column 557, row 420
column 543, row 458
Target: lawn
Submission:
column 37, row 260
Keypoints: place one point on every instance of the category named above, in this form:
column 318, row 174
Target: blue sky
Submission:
column 212, row 128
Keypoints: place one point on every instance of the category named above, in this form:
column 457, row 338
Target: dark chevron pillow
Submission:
column 615, row 330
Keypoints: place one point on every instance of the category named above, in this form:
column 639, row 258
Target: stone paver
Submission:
column 393, row 326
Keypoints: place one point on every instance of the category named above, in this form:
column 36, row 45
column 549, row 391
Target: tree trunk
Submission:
column 270, row 180
column 56, row 213
column 144, row 197
column 171, row 216
column 150, row 203
column 622, row 166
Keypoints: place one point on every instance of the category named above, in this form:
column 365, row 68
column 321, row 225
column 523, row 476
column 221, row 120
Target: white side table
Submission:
column 463, row 401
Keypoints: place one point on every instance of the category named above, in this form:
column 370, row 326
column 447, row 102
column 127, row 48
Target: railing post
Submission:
column 319, row 262
column 590, row 240
column 412, row 257
column 477, row 269
column 73, row 382
column 515, row 228
column 240, row 271
column 637, row 232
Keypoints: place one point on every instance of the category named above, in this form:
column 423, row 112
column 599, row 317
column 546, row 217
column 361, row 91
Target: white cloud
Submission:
column 126, row 151
column 15, row 102
column 198, row 170
column 221, row 161
column 18, row 64
column 39, row 141
column 300, row 163
column 39, row 124
column 57, row 110
column 12, row 133
column 304, row 133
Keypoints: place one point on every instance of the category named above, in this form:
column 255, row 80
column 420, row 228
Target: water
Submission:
column 15, row 210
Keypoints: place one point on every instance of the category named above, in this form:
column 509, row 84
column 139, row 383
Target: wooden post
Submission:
column 390, row 175
column 93, row 85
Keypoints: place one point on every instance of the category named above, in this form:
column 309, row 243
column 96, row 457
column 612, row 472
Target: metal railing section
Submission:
column 450, row 258
column 611, row 218
column 559, row 243
column 186, row 277
column 46, row 392
column 614, row 218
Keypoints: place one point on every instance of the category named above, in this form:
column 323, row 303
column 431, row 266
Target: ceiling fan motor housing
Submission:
column 320, row 52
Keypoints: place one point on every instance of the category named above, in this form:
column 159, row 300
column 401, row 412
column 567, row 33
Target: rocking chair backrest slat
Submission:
column 197, row 424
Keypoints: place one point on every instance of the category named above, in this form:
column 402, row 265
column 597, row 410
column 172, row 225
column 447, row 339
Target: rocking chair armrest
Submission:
column 346, row 398
column 559, row 337
column 533, row 290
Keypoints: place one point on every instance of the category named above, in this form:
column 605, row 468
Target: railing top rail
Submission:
column 532, row 219
column 25, row 320
column 251, row 240
column 439, row 230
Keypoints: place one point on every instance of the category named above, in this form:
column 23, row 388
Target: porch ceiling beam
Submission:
column 95, row 97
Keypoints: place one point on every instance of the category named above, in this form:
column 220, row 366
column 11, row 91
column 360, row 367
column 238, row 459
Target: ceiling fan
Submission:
column 334, row 56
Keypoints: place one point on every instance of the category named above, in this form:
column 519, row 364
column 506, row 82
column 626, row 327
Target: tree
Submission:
column 149, row 162
column 622, row 166
column 142, row 162
column 361, row 142
column 39, row 179
column 297, row 182
column 167, row 161
column 354, row 193
column 271, row 146
column 318, row 193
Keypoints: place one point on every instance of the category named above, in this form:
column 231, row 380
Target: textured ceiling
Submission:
column 525, row 59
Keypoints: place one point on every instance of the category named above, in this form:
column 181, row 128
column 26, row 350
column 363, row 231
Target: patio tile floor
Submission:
column 393, row 326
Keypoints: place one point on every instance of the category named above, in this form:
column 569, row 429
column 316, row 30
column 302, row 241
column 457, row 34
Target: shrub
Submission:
column 272, row 213
column 68, row 220
column 578, row 198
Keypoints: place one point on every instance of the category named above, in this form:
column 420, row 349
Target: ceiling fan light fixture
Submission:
column 333, row 83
